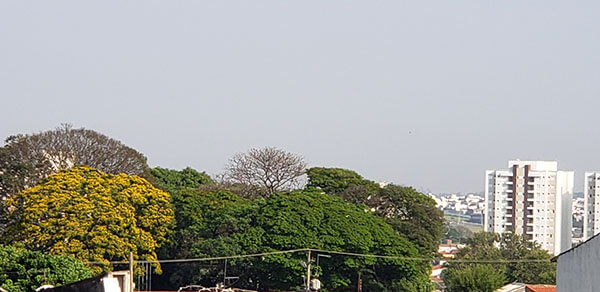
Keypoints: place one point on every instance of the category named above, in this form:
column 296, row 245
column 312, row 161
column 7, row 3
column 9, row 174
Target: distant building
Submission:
column 532, row 199
column 449, row 250
column 518, row 287
column 591, row 207
column 108, row 282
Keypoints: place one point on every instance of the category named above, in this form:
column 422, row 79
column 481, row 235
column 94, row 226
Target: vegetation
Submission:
column 474, row 278
column 173, row 181
column 221, row 223
column 75, row 193
column 505, row 247
column 22, row 270
column 342, row 182
column 269, row 168
column 91, row 215
column 26, row 159
column 410, row 213
column 456, row 233
column 413, row 215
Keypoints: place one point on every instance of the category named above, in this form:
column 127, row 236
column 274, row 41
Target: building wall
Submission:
column 564, row 210
column 591, row 198
column 532, row 199
column 577, row 269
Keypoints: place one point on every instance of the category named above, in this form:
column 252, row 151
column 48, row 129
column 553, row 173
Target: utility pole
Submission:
column 308, row 270
column 130, row 271
column 225, row 273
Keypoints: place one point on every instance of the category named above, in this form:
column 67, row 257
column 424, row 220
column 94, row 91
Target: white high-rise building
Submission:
column 532, row 199
column 591, row 205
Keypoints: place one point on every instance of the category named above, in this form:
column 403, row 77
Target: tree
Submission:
column 305, row 219
column 336, row 180
column 209, row 223
column 172, row 181
column 540, row 271
column 221, row 224
column 26, row 159
column 411, row 213
column 456, row 233
column 270, row 168
column 473, row 278
column 23, row 270
column 91, row 215
column 505, row 249
column 344, row 183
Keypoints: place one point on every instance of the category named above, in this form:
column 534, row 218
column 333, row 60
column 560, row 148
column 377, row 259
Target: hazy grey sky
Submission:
column 422, row 93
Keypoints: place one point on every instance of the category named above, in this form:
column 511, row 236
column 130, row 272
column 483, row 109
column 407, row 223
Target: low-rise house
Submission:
column 107, row 282
column 519, row 287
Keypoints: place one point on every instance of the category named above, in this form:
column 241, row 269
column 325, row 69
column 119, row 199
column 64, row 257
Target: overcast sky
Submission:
column 421, row 93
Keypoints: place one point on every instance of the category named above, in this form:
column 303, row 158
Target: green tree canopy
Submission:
column 172, row 181
column 23, row 270
column 220, row 223
column 474, row 278
column 91, row 215
column 504, row 248
column 337, row 180
column 412, row 214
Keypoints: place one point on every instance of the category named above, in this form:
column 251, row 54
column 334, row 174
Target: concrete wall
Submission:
column 578, row 268
column 101, row 283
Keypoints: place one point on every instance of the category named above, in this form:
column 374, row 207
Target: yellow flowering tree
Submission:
column 91, row 215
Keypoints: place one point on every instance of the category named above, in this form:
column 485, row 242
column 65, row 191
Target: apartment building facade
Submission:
column 591, row 205
column 532, row 199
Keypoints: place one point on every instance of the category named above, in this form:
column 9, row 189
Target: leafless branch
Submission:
column 269, row 168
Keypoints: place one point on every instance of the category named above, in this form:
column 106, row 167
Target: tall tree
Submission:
column 91, row 215
column 172, row 181
column 220, row 224
column 411, row 213
column 345, row 183
column 23, row 270
column 270, row 168
column 505, row 249
column 26, row 159
column 474, row 278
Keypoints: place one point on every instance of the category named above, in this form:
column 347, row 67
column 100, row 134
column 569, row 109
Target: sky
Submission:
column 422, row 93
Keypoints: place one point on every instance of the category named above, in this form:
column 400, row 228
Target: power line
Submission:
column 206, row 259
column 321, row 251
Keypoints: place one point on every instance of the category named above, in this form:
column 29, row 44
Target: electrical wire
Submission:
column 321, row 251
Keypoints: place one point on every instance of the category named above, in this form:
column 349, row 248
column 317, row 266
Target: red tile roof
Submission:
column 540, row 288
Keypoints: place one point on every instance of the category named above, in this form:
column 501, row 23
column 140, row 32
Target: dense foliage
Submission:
column 221, row 223
column 410, row 213
column 474, row 278
column 26, row 159
column 456, row 233
column 414, row 215
column 91, row 215
column 76, row 193
column 342, row 182
column 172, row 181
column 22, row 270
column 505, row 247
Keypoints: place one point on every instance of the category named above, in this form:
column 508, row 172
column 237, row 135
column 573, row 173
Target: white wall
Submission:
column 578, row 268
